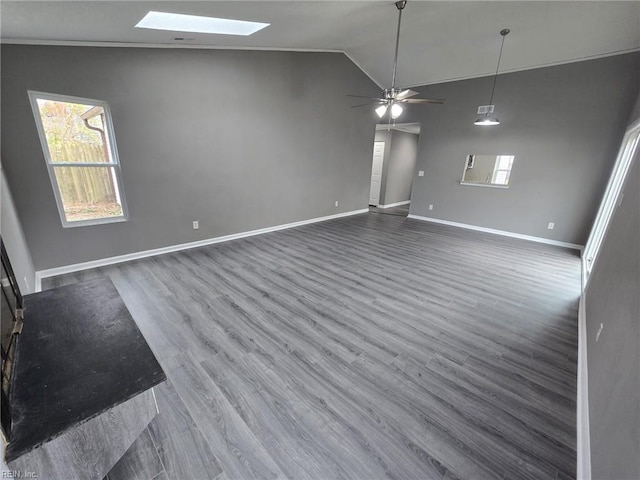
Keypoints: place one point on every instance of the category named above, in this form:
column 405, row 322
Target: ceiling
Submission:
column 439, row 41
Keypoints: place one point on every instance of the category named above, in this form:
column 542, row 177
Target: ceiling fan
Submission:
column 392, row 98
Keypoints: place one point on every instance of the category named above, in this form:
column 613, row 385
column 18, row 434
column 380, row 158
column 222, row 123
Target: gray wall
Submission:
column 401, row 167
column 400, row 156
column 635, row 113
column 563, row 124
column 238, row 140
column 614, row 375
column 14, row 241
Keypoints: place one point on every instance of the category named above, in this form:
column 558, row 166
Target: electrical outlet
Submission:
column 196, row 225
column 551, row 225
column 336, row 203
column 421, row 173
column 431, row 206
column 599, row 332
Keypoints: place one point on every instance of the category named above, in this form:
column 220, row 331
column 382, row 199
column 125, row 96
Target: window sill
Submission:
column 97, row 221
column 488, row 185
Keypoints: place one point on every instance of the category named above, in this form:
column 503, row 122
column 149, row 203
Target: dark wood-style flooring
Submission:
column 367, row 347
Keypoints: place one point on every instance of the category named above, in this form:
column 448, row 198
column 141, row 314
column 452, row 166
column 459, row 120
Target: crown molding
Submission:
column 73, row 43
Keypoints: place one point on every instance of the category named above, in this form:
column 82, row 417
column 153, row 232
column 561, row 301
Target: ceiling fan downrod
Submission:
column 400, row 6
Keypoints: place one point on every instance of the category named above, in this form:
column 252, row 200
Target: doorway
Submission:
column 376, row 173
column 393, row 167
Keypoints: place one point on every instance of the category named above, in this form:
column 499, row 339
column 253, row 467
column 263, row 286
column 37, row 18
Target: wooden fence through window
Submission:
column 84, row 184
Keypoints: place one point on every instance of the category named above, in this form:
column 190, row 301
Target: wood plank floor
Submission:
column 367, row 347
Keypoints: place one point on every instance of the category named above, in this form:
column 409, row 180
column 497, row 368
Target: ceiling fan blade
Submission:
column 363, row 104
column 422, row 100
column 364, row 96
column 406, row 94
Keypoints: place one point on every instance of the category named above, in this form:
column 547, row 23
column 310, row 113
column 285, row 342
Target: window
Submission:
column 80, row 150
column 487, row 170
column 611, row 198
column 502, row 169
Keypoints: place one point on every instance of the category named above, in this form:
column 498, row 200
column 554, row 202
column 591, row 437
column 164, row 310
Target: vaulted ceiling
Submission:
column 440, row 41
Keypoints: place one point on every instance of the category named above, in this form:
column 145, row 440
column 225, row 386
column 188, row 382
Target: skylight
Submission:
column 192, row 23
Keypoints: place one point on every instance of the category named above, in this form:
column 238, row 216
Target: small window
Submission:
column 80, row 150
column 502, row 170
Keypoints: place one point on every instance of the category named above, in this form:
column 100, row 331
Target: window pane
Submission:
column 88, row 193
column 74, row 132
column 501, row 177
column 504, row 162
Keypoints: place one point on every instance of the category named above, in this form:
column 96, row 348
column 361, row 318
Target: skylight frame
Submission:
column 179, row 22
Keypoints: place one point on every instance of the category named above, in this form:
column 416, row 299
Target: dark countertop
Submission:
column 80, row 353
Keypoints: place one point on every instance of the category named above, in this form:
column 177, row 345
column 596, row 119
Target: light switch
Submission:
column 421, row 173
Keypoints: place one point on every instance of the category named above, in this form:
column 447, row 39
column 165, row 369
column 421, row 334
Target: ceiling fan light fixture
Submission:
column 389, row 102
column 396, row 111
column 487, row 121
column 381, row 110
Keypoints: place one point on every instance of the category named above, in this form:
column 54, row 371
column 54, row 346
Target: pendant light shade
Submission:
column 381, row 110
column 488, row 121
column 396, row 111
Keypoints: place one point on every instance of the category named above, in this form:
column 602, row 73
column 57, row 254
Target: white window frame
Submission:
column 34, row 96
column 611, row 198
column 496, row 169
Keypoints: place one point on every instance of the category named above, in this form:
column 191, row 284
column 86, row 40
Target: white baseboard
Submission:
column 500, row 232
column 582, row 412
column 52, row 272
column 397, row 204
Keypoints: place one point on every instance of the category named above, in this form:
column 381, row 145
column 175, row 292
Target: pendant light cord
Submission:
column 495, row 78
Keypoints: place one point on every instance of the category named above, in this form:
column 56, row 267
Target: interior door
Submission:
column 376, row 173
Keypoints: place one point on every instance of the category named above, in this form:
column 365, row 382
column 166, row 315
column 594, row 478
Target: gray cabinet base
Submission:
column 89, row 450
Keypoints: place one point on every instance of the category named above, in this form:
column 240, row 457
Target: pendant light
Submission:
column 487, row 120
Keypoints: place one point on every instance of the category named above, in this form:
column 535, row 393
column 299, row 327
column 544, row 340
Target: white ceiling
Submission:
column 439, row 41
